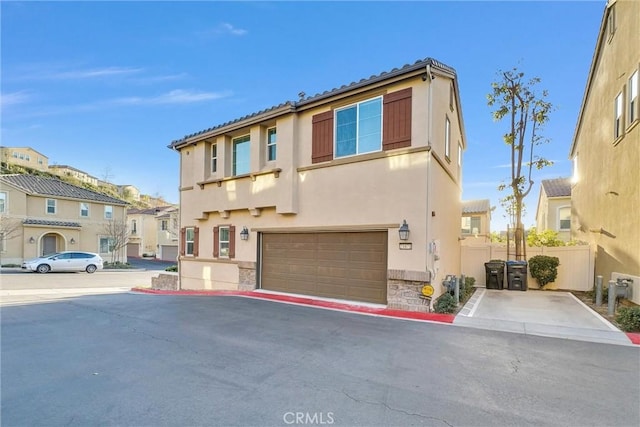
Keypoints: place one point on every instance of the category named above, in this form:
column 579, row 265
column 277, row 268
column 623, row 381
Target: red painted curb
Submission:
column 402, row 314
column 634, row 337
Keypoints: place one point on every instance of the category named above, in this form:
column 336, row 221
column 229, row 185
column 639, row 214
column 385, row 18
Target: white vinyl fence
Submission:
column 575, row 272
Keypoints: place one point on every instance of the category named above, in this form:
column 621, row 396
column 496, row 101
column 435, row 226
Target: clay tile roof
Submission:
column 51, row 223
column 43, row 186
column 559, row 187
column 476, row 206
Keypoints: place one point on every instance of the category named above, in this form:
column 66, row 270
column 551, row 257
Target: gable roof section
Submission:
column 291, row 106
column 476, row 206
column 42, row 186
column 559, row 187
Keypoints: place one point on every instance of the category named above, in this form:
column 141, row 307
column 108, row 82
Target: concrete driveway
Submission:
column 544, row 313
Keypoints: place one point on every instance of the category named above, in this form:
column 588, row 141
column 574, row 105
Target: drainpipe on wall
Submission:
column 429, row 258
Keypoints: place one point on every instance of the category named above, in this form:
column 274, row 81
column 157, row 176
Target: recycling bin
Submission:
column 494, row 271
column 517, row 275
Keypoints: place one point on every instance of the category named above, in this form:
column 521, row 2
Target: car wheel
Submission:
column 43, row 268
column 91, row 268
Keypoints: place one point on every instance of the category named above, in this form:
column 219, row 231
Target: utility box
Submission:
column 517, row 275
column 494, row 271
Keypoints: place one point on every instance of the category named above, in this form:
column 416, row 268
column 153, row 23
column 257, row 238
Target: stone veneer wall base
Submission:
column 404, row 289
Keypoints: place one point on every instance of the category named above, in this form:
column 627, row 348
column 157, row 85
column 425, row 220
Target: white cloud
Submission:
column 177, row 96
column 93, row 73
column 14, row 98
column 225, row 28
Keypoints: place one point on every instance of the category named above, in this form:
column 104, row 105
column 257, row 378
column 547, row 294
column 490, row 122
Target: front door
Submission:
column 49, row 244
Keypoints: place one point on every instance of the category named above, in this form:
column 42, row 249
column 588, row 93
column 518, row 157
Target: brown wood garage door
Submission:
column 351, row 266
column 133, row 250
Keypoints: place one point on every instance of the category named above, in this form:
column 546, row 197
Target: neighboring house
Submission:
column 55, row 216
column 476, row 220
column 142, row 227
column 24, row 156
column 65, row 170
column 168, row 230
column 129, row 192
column 554, row 207
column 309, row 197
column 606, row 149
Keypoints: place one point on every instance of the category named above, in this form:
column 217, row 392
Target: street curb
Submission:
column 387, row 312
column 634, row 337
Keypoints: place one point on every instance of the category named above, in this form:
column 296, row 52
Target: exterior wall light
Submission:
column 72, row 241
column 32, row 240
column 244, row 234
column 403, row 231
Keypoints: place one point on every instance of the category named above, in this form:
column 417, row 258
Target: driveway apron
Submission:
column 544, row 313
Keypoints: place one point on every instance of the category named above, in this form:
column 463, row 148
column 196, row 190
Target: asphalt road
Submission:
column 150, row 360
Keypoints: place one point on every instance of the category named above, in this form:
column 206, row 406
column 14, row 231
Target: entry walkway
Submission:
column 544, row 313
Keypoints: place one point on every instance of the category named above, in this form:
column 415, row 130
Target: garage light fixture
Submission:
column 244, row 234
column 32, row 240
column 403, row 231
column 72, row 241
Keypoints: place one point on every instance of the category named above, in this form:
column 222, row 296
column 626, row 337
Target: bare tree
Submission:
column 10, row 228
column 117, row 233
column 527, row 113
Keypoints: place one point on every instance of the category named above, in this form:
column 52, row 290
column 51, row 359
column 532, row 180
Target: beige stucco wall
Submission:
column 375, row 191
column 547, row 216
column 146, row 235
column 6, row 154
column 606, row 195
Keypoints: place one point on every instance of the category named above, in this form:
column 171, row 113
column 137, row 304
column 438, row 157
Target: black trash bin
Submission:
column 517, row 275
column 495, row 274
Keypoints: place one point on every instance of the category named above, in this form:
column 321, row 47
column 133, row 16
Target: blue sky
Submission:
column 106, row 86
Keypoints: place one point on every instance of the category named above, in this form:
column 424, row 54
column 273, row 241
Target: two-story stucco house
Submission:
column 52, row 216
column 606, row 148
column 311, row 197
column 24, row 156
column 143, row 231
column 168, row 231
column 554, row 207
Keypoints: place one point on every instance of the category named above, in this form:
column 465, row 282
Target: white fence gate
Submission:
column 576, row 270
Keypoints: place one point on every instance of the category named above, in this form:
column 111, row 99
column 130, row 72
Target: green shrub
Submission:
column 172, row 268
column 629, row 319
column 467, row 289
column 446, row 303
column 543, row 238
column 117, row 265
column 544, row 269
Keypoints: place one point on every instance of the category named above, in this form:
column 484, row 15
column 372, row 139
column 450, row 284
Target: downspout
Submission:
column 429, row 258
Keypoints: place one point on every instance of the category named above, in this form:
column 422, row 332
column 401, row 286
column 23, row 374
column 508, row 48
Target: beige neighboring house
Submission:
column 24, row 156
column 168, row 230
column 129, row 192
column 309, row 197
column 476, row 221
column 606, row 149
column 142, row 227
column 554, row 207
column 52, row 215
column 65, row 170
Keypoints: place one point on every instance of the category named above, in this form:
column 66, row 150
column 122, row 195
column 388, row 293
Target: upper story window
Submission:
column 51, row 206
column 163, row 225
column 617, row 125
column 470, row 225
column 134, row 226
column 15, row 154
column 21, row 156
column 40, row 161
column 84, row 210
column 632, row 105
column 451, row 97
column 241, row 155
column 564, row 218
column 214, row 158
column 3, row 203
column 271, row 144
column 108, row 212
column 27, row 157
column 359, row 128
column 447, row 138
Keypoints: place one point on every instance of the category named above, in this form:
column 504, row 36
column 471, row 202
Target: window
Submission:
column 40, row 160
column 3, row 202
column 214, row 158
column 451, row 96
column 611, row 22
column 163, row 225
column 21, row 156
column 564, row 218
column 632, row 105
column 106, row 244
column 271, row 144
column 3, row 243
column 27, row 157
column 224, row 242
column 617, row 125
column 15, row 154
column 447, row 138
column 471, row 225
column 108, row 212
column 359, row 128
column 189, row 240
column 241, row 155
column 51, row 206
column 84, row 210
column 134, row 226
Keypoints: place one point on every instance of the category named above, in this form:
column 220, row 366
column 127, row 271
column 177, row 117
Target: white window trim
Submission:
column 447, row 138
column 106, row 210
column 558, row 219
column 233, row 153
column 55, row 207
column 269, row 144
column 335, row 127
column 633, row 110
column 618, row 116
column 88, row 211
column 214, row 158
column 6, row 202
column 220, row 241
column 187, row 241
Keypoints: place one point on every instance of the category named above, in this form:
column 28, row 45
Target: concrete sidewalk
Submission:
column 543, row 313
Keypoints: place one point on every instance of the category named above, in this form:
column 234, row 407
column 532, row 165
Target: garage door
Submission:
column 169, row 253
column 350, row 266
column 133, row 249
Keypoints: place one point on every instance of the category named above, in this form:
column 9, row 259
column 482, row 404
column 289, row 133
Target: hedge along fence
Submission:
column 576, row 270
